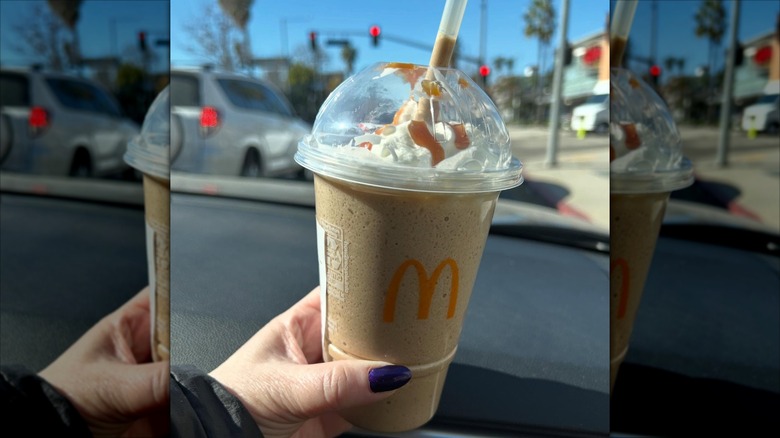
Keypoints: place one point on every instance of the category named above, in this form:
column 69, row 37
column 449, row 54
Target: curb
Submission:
column 733, row 206
column 562, row 206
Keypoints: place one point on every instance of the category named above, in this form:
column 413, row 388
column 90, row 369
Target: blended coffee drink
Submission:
column 634, row 224
column 646, row 165
column 403, row 211
column 149, row 153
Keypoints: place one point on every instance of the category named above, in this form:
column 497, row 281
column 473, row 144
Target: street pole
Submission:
column 483, row 32
column 728, row 88
column 555, row 111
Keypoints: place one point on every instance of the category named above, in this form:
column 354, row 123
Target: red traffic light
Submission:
column 484, row 71
column 313, row 40
column 142, row 41
column 655, row 71
column 374, row 31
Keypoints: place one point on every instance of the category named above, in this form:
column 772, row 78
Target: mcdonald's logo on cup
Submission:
column 427, row 288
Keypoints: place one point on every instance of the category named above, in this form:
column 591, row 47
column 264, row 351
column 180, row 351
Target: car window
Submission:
column 769, row 98
column 14, row 90
column 252, row 96
column 599, row 98
column 82, row 96
column 185, row 90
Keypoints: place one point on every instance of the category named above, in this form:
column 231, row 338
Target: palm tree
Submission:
column 238, row 10
column 711, row 24
column 498, row 63
column 540, row 23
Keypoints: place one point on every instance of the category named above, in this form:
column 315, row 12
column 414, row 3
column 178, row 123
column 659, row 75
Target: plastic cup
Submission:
column 646, row 166
column 149, row 153
column 401, row 228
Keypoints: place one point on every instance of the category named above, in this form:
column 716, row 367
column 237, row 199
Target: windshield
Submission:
column 246, row 82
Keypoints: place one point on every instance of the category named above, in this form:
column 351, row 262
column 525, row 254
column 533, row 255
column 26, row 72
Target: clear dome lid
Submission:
column 149, row 151
column 411, row 127
column 644, row 144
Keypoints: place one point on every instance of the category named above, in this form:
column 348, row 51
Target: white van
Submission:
column 593, row 115
column 764, row 115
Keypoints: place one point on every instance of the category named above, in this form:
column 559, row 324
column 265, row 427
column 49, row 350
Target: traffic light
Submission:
column 142, row 41
column 655, row 73
column 375, row 31
column 313, row 41
column 739, row 54
column 484, row 71
column 567, row 54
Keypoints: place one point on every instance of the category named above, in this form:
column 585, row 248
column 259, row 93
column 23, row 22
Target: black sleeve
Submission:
column 201, row 407
column 32, row 407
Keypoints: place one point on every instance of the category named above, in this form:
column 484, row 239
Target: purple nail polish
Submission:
column 388, row 378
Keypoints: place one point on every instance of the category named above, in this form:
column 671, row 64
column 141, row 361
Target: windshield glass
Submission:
column 730, row 210
column 572, row 279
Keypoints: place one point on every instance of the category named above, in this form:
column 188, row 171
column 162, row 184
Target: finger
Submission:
column 307, row 321
column 139, row 300
column 140, row 390
column 294, row 336
column 334, row 386
column 131, row 336
column 129, row 329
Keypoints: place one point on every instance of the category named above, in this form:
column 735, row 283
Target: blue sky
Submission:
column 415, row 20
column 675, row 34
column 97, row 18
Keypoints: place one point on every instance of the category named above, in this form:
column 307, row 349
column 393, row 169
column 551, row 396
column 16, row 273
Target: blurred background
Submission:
column 723, row 93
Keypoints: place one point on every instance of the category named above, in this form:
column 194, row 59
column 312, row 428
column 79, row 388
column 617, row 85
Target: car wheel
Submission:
column 82, row 165
column 6, row 138
column 252, row 167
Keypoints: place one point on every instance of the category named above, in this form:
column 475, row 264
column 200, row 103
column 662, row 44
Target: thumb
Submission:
column 143, row 389
column 341, row 384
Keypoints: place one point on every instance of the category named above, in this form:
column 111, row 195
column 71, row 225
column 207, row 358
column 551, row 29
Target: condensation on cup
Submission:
column 149, row 153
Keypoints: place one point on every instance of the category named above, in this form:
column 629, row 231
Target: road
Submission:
column 748, row 186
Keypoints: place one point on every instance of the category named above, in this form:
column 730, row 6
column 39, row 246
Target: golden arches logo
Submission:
column 427, row 288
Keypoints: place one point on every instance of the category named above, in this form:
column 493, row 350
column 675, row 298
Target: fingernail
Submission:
column 388, row 378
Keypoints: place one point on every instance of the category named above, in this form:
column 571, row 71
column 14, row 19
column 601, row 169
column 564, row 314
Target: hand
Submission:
column 105, row 375
column 279, row 377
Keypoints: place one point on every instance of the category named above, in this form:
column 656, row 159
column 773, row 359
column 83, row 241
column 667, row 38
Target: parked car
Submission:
column 764, row 115
column 232, row 125
column 60, row 124
column 593, row 115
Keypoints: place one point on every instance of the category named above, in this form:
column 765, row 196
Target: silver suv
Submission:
column 58, row 124
column 229, row 124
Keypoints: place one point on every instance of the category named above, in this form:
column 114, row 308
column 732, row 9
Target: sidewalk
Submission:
column 582, row 172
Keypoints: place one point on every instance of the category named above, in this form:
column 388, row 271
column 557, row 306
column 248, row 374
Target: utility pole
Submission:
column 555, row 111
column 483, row 32
column 728, row 89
